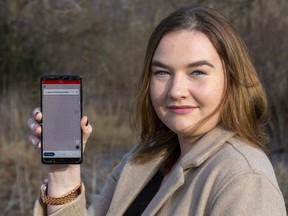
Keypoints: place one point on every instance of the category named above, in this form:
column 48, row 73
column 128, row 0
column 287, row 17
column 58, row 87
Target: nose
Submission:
column 178, row 88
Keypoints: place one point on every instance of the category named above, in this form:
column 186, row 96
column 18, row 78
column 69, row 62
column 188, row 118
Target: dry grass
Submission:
column 20, row 173
column 20, row 168
column 111, row 127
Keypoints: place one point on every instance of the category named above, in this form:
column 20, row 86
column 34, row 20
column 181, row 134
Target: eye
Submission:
column 161, row 73
column 198, row 72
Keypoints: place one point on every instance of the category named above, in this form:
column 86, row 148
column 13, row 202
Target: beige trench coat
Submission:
column 220, row 175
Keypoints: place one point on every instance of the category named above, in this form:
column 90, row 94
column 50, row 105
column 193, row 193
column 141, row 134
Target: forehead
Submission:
column 187, row 45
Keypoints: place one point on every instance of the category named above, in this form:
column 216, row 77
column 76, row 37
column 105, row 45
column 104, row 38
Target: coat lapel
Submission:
column 132, row 180
column 199, row 153
column 175, row 180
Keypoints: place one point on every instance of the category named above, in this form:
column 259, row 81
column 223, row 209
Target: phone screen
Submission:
column 62, row 112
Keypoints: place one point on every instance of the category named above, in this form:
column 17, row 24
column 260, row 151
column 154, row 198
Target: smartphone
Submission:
column 61, row 106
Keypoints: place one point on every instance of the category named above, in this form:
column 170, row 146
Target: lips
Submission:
column 182, row 109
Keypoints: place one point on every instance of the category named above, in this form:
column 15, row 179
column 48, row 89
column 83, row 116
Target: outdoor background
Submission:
column 104, row 41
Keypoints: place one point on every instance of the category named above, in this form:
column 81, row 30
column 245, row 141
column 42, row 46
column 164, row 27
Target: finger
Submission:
column 35, row 141
column 86, row 128
column 37, row 114
column 34, row 126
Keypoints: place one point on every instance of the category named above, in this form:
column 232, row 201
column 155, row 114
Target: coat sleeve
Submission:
column 99, row 205
column 249, row 194
column 76, row 207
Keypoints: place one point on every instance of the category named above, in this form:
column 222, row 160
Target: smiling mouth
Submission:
column 182, row 109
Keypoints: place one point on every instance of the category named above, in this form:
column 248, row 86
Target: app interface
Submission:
column 61, row 108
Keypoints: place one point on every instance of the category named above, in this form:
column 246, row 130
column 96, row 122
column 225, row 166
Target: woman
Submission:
column 200, row 112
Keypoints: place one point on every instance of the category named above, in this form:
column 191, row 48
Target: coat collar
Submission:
column 134, row 177
column 206, row 146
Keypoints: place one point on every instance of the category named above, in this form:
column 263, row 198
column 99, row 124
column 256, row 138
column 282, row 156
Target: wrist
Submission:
column 63, row 179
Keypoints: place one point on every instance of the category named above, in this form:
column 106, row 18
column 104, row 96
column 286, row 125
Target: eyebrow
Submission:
column 190, row 65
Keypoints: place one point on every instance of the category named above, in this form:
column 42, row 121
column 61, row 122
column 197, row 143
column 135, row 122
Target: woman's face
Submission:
column 187, row 81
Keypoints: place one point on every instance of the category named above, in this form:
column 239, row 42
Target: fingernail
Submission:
column 37, row 145
column 87, row 123
column 36, row 114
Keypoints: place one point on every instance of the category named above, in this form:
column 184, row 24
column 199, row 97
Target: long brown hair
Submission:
column 244, row 108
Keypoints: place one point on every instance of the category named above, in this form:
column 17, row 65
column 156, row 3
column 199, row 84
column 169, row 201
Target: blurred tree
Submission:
column 19, row 65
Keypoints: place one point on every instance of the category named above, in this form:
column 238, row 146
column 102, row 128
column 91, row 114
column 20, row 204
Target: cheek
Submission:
column 210, row 95
column 217, row 93
column 157, row 93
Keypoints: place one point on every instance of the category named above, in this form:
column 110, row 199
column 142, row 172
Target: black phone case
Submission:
column 61, row 160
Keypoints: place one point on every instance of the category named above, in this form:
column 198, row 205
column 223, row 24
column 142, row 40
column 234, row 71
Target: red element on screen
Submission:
column 61, row 81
